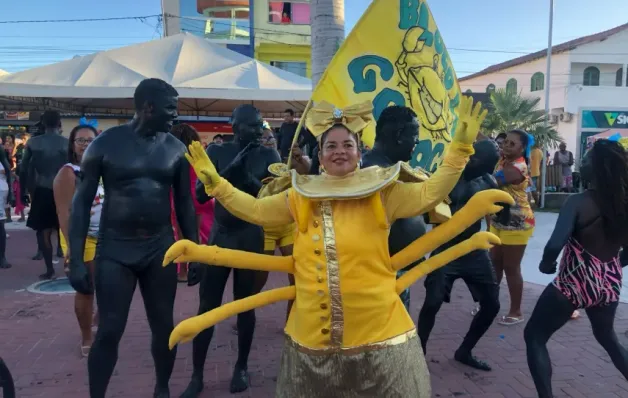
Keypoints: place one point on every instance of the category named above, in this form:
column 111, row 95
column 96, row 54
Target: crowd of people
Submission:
column 121, row 199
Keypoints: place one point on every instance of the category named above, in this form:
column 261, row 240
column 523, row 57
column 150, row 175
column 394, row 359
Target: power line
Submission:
column 497, row 51
column 72, row 37
column 218, row 23
column 81, row 20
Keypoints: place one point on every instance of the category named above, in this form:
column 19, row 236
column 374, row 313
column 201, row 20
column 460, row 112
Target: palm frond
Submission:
column 510, row 110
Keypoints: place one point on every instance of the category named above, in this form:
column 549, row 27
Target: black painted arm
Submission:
column 623, row 256
column 253, row 184
column 562, row 231
column 86, row 188
column 227, row 173
column 183, row 202
column 8, row 173
column 24, row 169
column 315, row 163
column 201, row 196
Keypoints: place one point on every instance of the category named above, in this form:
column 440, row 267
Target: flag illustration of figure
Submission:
column 395, row 55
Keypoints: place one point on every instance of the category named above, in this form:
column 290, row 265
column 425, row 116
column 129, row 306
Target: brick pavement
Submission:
column 40, row 343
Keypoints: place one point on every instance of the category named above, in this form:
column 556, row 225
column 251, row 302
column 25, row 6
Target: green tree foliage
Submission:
column 509, row 110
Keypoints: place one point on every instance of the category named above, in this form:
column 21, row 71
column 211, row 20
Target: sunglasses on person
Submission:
column 84, row 141
column 268, row 139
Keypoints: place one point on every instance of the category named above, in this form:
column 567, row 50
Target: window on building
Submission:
column 298, row 68
column 227, row 28
column 591, row 76
column 490, row 88
column 222, row 23
column 468, row 91
column 619, row 77
column 537, row 82
column 511, row 86
column 289, row 12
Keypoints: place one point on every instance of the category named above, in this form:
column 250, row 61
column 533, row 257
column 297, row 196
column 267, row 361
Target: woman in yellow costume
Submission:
column 348, row 334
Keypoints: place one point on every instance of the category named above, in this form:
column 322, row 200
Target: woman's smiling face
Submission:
column 340, row 154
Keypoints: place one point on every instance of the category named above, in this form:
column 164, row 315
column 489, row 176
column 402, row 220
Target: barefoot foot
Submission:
column 240, row 380
column 161, row 392
column 194, row 388
column 47, row 276
column 466, row 358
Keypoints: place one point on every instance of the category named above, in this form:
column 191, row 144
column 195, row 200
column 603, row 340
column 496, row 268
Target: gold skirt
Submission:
column 396, row 370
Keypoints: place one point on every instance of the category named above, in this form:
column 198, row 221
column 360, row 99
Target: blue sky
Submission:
column 493, row 26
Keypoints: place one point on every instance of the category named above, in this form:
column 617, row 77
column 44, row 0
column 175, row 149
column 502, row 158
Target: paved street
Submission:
column 41, row 343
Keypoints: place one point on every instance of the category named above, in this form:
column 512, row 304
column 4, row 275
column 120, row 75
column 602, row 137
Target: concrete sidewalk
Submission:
column 40, row 344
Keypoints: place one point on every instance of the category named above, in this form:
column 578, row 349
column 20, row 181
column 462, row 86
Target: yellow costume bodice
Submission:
column 345, row 285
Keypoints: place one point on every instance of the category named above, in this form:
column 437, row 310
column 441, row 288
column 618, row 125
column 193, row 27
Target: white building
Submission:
column 588, row 85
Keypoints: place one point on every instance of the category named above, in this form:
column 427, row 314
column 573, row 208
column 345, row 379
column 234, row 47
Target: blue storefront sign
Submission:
column 604, row 119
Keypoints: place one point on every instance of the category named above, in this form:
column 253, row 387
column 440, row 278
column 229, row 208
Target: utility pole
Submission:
column 547, row 102
column 328, row 31
column 171, row 23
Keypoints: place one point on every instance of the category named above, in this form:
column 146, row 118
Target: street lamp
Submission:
column 547, row 103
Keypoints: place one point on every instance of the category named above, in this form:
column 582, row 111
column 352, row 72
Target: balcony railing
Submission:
column 228, row 29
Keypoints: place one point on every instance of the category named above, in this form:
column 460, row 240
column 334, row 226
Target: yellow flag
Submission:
column 396, row 55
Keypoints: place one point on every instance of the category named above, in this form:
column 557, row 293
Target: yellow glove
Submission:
column 204, row 168
column 470, row 120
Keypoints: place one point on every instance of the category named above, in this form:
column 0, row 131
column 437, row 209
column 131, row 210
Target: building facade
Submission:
column 274, row 32
column 282, row 35
column 588, row 85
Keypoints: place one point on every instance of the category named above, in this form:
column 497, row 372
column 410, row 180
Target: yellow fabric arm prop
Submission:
column 190, row 328
column 481, row 204
column 481, row 240
column 185, row 251
column 403, row 200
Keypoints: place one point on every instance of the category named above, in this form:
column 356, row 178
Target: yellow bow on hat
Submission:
column 324, row 116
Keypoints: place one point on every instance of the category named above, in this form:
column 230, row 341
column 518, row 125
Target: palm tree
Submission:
column 509, row 110
column 328, row 31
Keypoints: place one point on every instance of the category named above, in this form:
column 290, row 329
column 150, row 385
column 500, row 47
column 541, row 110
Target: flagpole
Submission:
column 547, row 103
column 295, row 139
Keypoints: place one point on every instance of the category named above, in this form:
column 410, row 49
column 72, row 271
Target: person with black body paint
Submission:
column 44, row 155
column 6, row 199
column 396, row 134
column 285, row 137
column 139, row 163
column 244, row 163
column 29, row 189
column 474, row 268
column 591, row 229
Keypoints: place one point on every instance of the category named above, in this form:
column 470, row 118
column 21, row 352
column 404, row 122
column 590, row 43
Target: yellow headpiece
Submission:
column 324, row 116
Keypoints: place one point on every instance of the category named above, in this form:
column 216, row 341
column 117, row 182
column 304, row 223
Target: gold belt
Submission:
column 393, row 341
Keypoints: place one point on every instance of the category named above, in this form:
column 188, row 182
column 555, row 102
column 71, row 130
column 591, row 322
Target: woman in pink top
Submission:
column 204, row 212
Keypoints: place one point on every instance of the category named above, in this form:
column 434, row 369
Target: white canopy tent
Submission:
column 211, row 80
column 3, row 72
